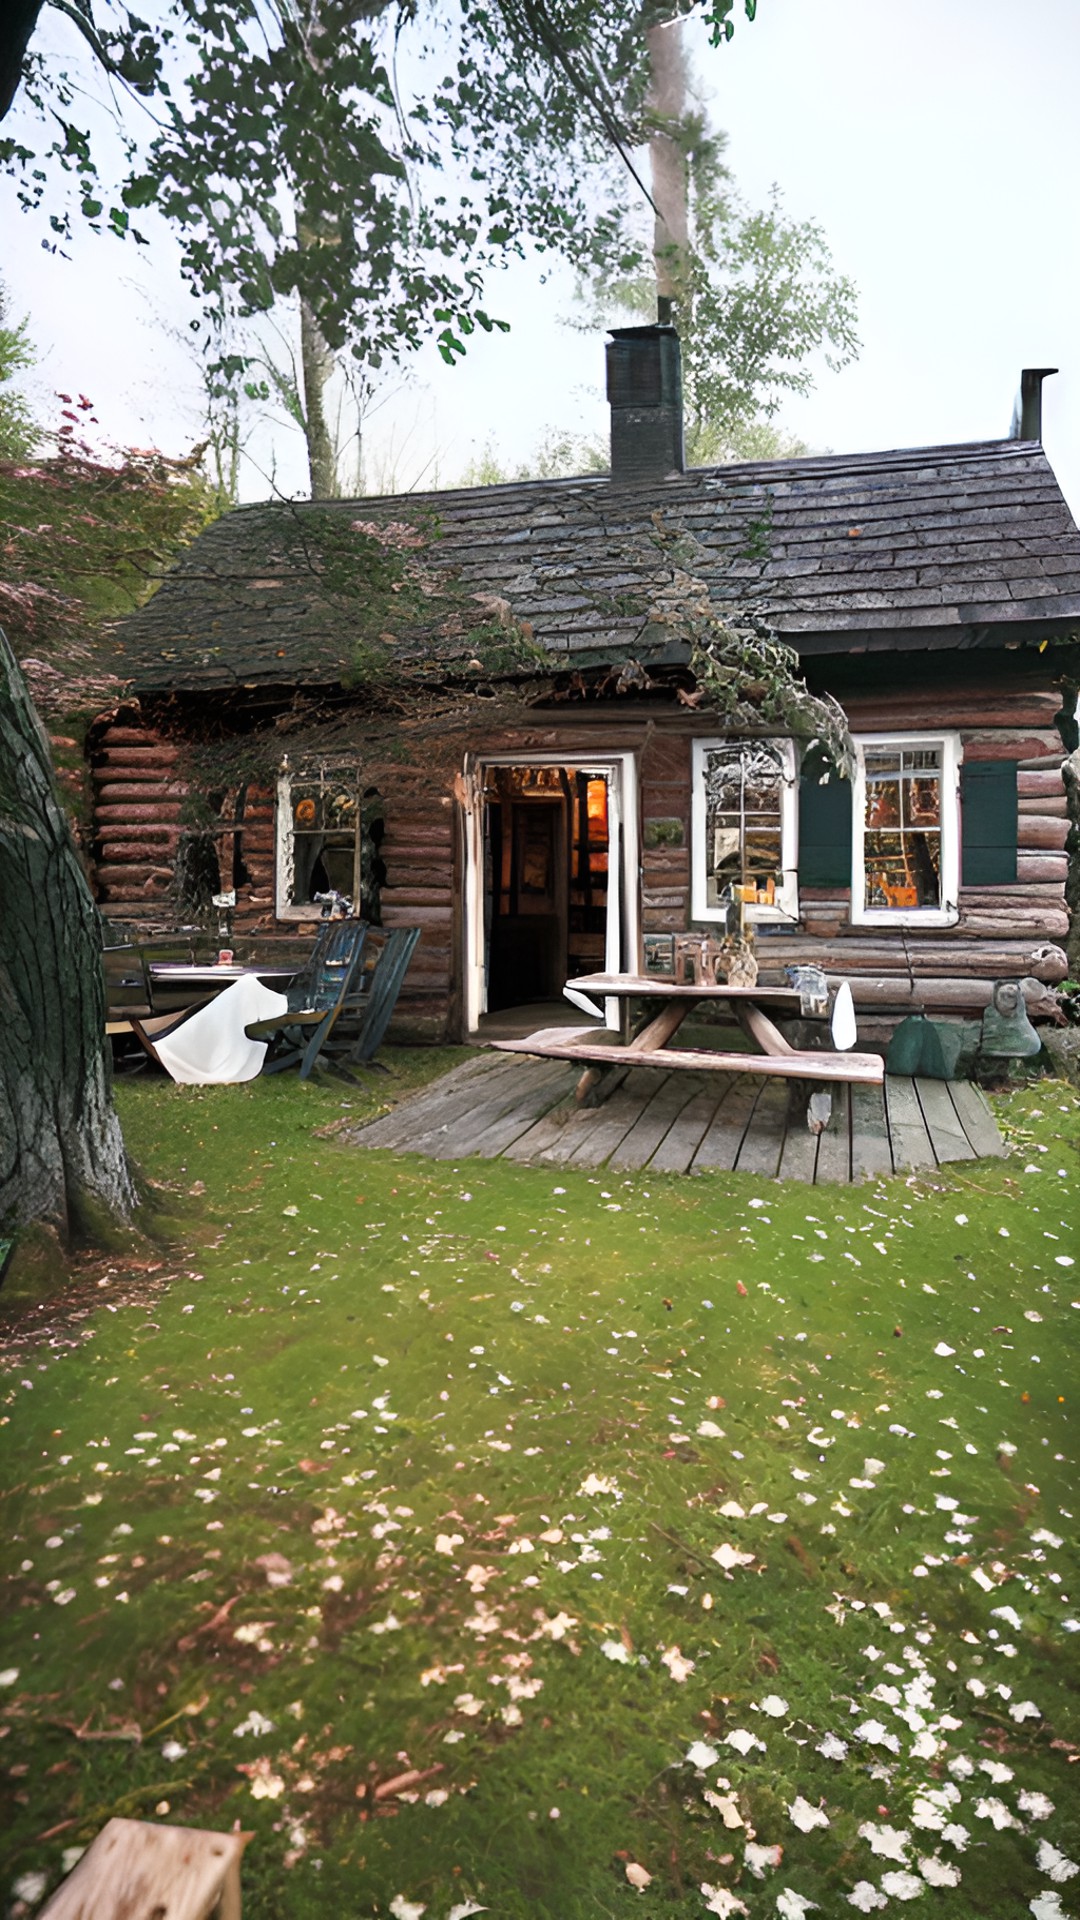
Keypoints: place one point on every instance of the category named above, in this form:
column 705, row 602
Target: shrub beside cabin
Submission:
column 478, row 712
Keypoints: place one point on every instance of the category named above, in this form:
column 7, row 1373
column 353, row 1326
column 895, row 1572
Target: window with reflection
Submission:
column 744, row 820
column 907, row 827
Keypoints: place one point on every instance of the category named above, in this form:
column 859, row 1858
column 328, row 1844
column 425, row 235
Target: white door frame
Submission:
column 624, row 869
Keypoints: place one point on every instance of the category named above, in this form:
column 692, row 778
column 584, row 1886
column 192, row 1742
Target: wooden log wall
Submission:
column 1003, row 932
column 138, row 801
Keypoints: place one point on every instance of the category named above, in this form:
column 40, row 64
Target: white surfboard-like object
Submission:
column 844, row 1029
column 582, row 1002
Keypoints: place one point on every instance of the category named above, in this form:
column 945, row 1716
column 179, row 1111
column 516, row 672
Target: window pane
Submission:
column 902, row 818
column 743, row 789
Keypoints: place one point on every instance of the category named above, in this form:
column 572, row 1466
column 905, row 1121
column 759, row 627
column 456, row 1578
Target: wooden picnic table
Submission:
column 672, row 1002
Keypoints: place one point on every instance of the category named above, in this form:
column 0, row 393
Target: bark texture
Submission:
column 667, row 101
column 62, row 1157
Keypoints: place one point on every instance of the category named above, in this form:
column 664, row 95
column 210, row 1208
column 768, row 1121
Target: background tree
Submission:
column 18, row 434
column 753, row 293
column 297, row 173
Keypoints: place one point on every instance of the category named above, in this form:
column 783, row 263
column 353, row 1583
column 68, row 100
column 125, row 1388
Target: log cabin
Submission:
column 481, row 711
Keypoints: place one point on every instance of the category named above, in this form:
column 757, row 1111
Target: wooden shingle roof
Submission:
column 960, row 546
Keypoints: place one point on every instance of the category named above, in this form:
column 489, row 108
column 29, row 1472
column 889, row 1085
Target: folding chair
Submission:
column 317, row 998
column 360, row 1027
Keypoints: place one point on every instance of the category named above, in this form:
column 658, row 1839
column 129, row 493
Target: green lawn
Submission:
column 474, row 1534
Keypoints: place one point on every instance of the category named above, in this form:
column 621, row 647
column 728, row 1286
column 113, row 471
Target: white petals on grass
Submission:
column 791, row 1905
column 614, row 1650
column 774, row 1706
column 638, row 1876
column 997, row 1812
column 756, row 1859
column 1025, row 1710
column 701, row 1755
column 727, row 1557
column 726, row 1805
column 464, row 1908
column 902, row 1886
column 865, row 1896
column 889, row 1843
column 677, row 1665
column 832, row 1747
column 600, row 1483
column 1056, row 1865
column 944, row 1351
column 9, row 1676
column 403, row 1909
column 1047, row 1906
column 1035, row 1804
column 744, row 1742
column 806, row 1817
column 256, row 1723
column 719, row 1900
column 448, row 1542
column 939, row 1873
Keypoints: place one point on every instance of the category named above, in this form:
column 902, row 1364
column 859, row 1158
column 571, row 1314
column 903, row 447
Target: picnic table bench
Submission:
column 672, row 1001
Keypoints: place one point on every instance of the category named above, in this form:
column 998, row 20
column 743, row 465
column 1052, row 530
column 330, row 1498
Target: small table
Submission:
column 751, row 1006
column 174, row 983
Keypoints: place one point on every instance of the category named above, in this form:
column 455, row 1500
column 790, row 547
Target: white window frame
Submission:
column 284, row 869
column 947, row 914
column 786, row 909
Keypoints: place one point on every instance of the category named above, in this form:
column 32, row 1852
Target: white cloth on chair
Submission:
column 211, row 1048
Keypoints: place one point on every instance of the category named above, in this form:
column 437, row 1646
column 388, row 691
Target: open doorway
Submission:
column 546, row 892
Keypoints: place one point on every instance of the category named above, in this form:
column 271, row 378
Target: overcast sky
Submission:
column 938, row 145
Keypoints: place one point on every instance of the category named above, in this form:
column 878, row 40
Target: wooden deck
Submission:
column 523, row 1109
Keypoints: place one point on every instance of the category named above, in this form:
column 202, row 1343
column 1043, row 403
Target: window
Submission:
column 318, row 836
column 905, row 839
column 744, row 817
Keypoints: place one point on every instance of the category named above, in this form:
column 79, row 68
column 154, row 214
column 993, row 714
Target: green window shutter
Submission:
column 988, row 820
column 825, row 833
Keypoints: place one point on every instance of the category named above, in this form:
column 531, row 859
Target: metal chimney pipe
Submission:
column 1027, row 411
column 644, row 390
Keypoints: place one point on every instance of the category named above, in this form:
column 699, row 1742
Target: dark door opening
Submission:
column 545, row 880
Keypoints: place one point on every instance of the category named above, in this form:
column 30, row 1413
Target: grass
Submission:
column 473, row 1533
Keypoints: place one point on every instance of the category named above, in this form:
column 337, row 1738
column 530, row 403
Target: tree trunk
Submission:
column 668, row 165
column 16, row 30
column 317, row 362
column 62, row 1157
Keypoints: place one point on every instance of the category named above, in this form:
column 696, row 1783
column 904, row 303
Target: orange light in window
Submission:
column 596, row 808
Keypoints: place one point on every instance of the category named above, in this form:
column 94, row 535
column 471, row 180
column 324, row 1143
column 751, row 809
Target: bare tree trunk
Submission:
column 62, row 1157
column 666, row 102
column 317, row 363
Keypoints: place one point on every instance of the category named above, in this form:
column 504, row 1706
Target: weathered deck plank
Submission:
column 912, row 1149
column 947, row 1136
column 678, row 1147
column 654, row 1124
column 871, row 1154
column 973, row 1112
column 679, row 1122
column 763, row 1141
column 720, row 1147
column 834, row 1143
column 609, row 1124
column 530, row 1104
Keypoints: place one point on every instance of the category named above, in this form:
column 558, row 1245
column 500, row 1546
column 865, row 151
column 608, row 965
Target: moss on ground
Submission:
column 472, row 1532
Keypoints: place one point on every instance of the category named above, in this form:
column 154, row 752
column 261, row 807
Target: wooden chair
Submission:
column 317, row 999
column 362, row 1021
column 136, row 1869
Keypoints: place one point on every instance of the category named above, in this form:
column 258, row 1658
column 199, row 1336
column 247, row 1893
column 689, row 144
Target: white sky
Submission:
column 936, row 142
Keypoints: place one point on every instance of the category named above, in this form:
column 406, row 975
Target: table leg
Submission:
column 661, row 1028
column 760, row 1028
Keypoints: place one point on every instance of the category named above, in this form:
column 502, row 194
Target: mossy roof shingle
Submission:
column 938, row 546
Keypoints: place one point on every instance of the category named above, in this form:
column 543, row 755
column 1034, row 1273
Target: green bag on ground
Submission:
column 924, row 1049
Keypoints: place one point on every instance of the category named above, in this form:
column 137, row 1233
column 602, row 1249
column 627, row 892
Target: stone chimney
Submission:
column 644, row 390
